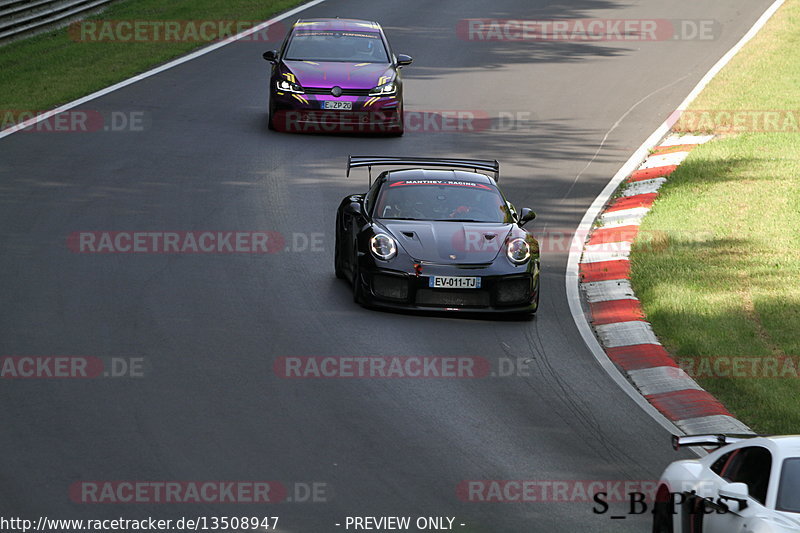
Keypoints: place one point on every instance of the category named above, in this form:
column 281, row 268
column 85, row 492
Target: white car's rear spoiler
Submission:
column 709, row 441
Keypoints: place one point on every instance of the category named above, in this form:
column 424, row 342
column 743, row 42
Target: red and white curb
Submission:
column 616, row 314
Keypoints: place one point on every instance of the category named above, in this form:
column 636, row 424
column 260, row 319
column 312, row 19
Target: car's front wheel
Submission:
column 271, row 110
column 357, row 290
column 338, row 267
column 662, row 511
column 401, row 128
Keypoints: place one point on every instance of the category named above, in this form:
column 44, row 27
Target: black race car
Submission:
column 439, row 237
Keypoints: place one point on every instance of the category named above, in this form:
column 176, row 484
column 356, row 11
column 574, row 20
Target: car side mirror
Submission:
column 271, row 55
column 353, row 209
column 736, row 493
column 404, row 60
column 526, row 215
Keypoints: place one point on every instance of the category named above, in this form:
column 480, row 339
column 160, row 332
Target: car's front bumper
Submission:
column 514, row 292
column 306, row 114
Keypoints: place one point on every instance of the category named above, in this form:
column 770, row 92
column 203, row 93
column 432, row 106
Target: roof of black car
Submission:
column 428, row 174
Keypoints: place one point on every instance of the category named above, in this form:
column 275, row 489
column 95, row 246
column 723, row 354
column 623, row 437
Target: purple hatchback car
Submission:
column 336, row 75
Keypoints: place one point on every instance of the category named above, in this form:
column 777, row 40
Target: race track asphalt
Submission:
column 209, row 326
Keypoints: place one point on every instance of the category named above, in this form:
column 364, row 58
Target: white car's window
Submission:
column 719, row 465
column 789, row 488
column 752, row 466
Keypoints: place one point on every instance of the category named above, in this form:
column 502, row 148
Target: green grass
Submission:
column 717, row 263
column 44, row 71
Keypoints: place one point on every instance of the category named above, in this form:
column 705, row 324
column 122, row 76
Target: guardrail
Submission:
column 20, row 17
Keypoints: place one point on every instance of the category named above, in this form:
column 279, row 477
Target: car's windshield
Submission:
column 445, row 200
column 789, row 488
column 332, row 45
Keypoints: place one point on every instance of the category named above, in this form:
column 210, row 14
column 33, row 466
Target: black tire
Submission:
column 399, row 132
column 271, row 116
column 357, row 297
column 337, row 259
column 662, row 512
column 530, row 315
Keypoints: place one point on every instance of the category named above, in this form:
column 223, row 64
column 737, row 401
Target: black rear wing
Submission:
column 710, row 441
column 487, row 165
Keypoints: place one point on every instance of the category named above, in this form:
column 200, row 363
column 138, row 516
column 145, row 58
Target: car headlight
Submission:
column 518, row 251
column 289, row 87
column 383, row 247
column 387, row 89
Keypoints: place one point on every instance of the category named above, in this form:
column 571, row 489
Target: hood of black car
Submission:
column 449, row 242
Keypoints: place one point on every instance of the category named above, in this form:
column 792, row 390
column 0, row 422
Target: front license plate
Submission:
column 454, row 282
column 336, row 104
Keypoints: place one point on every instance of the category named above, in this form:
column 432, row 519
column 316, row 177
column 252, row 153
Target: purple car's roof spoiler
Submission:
column 369, row 161
column 710, row 441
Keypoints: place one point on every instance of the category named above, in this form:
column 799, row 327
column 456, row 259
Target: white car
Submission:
column 749, row 484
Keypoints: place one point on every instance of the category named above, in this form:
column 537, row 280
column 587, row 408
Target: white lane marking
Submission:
column 636, row 188
column 661, row 379
column 606, row 291
column 611, row 130
column 572, row 279
column 157, row 70
column 665, row 160
column 677, row 140
column 712, row 424
column 600, row 253
column 618, row 246
column 626, row 334
column 623, row 217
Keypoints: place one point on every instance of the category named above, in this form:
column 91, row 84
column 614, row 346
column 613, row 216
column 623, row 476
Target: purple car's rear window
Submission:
column 332, row 45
